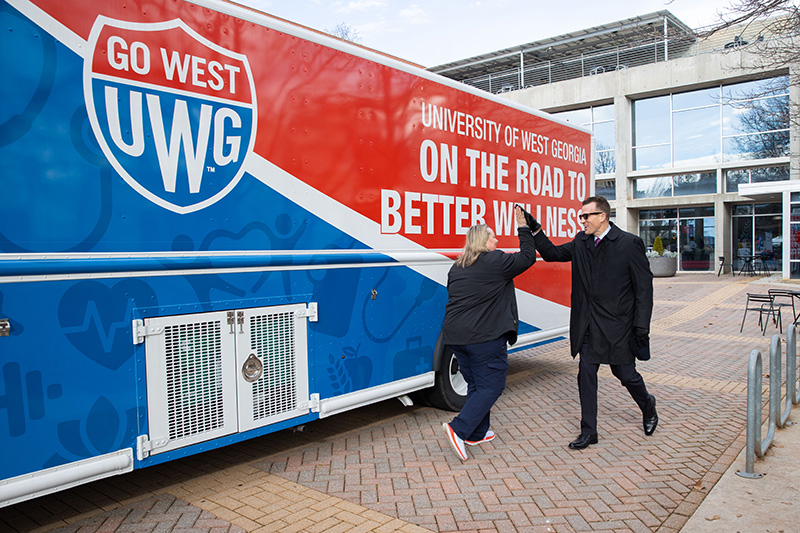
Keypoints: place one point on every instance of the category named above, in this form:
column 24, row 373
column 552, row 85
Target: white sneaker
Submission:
column 486, row 438
column 455, row 441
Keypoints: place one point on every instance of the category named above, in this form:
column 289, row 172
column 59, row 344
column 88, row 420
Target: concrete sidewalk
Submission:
column 770, row 503
column 388, row 468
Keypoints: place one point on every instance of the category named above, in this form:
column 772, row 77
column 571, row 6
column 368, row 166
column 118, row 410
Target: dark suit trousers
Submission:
column 587, row 389
column 484, row 366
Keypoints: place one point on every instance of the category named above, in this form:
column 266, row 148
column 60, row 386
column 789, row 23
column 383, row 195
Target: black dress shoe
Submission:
column 583, row 441
column 650, row 417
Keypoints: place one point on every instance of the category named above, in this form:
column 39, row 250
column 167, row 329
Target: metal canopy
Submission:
column 660, row 25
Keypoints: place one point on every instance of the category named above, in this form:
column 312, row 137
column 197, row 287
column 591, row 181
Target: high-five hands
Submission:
column 526, row 219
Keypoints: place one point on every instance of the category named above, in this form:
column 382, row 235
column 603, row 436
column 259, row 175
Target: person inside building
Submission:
column 611, row 306
column 480, row 321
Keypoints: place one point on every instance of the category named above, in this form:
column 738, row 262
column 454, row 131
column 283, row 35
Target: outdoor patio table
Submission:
column 748, row 264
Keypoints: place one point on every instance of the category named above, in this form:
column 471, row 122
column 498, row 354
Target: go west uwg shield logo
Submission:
column 174, row 113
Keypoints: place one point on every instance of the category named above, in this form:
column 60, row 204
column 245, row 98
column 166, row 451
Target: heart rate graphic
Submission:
column 96, row 318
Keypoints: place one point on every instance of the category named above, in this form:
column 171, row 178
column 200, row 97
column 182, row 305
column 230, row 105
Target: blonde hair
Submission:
column 477, row 237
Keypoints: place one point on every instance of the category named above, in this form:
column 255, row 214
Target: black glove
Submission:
column 642, row 336
column 530, row 221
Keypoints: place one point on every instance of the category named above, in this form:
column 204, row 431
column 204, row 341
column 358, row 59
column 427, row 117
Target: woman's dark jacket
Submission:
column 482, row 305
column 612, row 292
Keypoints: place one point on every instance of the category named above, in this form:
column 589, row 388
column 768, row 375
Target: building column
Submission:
column 723, row 222
column 623, row 154
column 794, row 123
column 794, row 166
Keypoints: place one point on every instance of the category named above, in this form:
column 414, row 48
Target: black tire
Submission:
column 449, row 391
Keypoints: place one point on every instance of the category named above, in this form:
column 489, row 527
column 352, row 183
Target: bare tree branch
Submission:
column 346, row 32
column 770, row 31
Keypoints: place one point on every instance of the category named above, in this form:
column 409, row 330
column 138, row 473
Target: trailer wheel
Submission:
column 449, row 391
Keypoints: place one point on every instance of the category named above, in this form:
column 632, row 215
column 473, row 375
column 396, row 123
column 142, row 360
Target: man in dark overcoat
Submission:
column 611, row 306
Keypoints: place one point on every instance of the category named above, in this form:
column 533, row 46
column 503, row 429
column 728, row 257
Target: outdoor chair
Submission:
column 765, row 305
column 779, row 297
column 723, row 264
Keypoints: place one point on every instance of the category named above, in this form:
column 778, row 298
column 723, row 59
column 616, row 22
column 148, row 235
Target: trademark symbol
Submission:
column 211, row 169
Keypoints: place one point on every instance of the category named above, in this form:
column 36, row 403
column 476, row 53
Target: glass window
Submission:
column 664, row 228
column 604, row 162
column 599, row 119
column 734, row 178
column 606, row 188
column 694, row 212
column 651, row 121
column 757, row 233
column 750, row 89
column 742, row 240
column 604, row 148
column 756, row 146
column 794, row 236
column 768, row 242
column 761, row 175
column 755, row 116
column 653, row 187
column 794, row 253
column 795, row 270
column 700, row 183
column 679, row 185
column 741, row 91
column 745, row 121
column 731, row 119
column 604, row 135
column 651, row 157
column 603, row 113
column 696, row 236
column 581, row 117
column 689, row 231
column 650, row 214
column 701, row 98
column 696, row 135
column 767, row 209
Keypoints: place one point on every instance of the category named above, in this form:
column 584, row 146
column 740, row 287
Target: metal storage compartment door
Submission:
column 272, row 364
column 191, row 380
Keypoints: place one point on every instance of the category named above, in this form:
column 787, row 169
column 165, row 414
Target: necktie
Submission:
column 596, row 241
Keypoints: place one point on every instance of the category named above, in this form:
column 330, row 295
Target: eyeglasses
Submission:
column 585, row 216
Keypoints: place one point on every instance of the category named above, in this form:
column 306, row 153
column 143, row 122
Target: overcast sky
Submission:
column 433, row 32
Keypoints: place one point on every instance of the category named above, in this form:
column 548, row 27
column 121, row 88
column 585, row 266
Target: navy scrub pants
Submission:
column 484, row 366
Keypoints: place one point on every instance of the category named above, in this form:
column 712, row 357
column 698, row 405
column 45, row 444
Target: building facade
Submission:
column 693, row 137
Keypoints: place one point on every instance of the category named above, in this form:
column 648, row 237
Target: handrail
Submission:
column 12, row 267
column 755, row 446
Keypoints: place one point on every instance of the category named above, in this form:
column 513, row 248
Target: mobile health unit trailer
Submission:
column 215, row 225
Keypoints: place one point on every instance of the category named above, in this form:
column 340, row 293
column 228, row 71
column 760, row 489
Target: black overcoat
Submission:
column 482, row 303
column 612, row 292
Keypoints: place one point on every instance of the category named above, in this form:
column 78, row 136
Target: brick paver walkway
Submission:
column 388, row 468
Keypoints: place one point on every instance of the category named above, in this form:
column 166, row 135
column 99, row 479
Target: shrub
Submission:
column 658, row 246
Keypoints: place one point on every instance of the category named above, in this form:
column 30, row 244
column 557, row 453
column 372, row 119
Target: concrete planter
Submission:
column 663, row 267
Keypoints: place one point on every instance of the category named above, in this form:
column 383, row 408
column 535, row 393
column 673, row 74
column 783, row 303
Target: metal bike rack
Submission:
column 755, row 446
